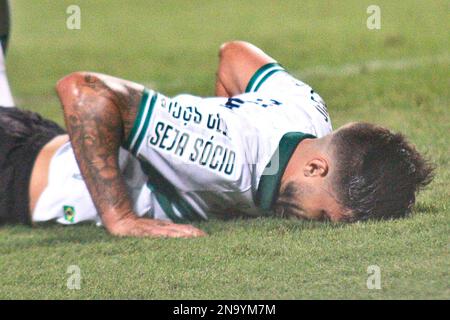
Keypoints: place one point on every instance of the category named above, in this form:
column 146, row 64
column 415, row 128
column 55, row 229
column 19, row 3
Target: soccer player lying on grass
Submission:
column 263, row 146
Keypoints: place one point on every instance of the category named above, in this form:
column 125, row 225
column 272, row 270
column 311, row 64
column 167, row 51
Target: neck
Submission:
column 298, row 158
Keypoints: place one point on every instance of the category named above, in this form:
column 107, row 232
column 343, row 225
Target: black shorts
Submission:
column 22, row 136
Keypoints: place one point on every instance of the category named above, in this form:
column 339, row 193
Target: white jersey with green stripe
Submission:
column 200, row 157
column 207, row 156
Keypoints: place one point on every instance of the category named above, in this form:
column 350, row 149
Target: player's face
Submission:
column 306, row 191
column 308, row 202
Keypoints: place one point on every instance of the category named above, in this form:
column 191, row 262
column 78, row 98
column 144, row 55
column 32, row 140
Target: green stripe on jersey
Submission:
column 137, row 121
column 263, row 79
column 146, row 123
column 166, row 205
column 168, row 197
column 142, row 122
column 260, row 74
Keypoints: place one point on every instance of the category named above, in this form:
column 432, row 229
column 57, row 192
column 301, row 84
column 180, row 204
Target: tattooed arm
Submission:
column 99, row 112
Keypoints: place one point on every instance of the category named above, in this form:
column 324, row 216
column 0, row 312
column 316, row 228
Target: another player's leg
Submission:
column 239, row 61
column 6, row 99
column 23, row 134
column 4, row 24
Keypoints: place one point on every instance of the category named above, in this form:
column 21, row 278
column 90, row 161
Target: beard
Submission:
column 287, row 203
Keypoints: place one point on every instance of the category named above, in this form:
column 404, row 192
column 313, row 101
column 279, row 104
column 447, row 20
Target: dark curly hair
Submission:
column 378, row 172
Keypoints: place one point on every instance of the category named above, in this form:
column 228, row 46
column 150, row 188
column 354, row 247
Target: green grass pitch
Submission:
column 397, row 76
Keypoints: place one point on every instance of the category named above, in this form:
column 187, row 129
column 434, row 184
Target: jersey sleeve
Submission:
column 262, row 75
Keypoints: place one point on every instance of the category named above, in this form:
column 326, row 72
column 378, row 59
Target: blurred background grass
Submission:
column 173, row 44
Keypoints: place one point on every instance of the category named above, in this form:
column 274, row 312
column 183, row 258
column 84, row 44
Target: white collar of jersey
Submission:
column 269, row 184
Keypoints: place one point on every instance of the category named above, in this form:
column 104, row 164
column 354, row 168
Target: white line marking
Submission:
column 371, row 66
column 344, row 70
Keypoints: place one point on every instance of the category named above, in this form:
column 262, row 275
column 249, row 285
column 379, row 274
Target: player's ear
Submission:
column 317, row 167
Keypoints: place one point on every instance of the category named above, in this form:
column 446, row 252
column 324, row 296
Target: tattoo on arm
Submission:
column 98, row 119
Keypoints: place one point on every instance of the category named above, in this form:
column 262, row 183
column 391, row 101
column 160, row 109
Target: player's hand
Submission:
column 142, row 227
